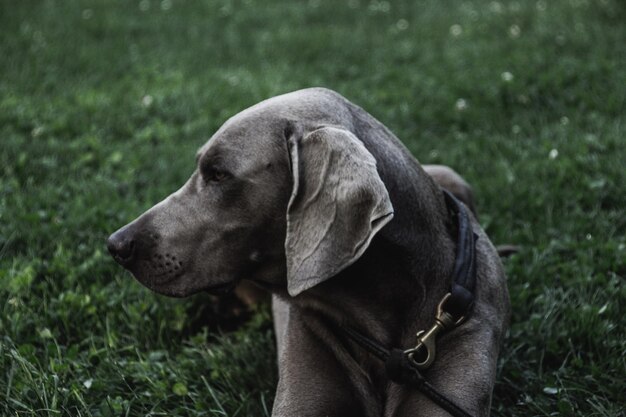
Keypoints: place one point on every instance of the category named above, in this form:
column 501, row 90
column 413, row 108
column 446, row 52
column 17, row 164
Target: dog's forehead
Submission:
column 243, row 137
column 259, row 128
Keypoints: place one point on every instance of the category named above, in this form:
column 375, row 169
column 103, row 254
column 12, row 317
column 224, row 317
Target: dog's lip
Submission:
column 155, row 279
column 221, row 289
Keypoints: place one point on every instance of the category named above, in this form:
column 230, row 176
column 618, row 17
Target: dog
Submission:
column 309, row 196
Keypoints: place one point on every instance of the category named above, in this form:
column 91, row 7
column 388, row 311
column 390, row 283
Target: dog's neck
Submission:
column 394, row 288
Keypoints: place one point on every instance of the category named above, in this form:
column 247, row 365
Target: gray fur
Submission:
column 449, row 179
column 258, row 222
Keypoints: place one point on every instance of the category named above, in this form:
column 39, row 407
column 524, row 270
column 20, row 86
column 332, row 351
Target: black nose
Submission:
column 121, row 246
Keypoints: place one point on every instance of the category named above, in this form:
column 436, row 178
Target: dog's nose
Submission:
column 121, row 246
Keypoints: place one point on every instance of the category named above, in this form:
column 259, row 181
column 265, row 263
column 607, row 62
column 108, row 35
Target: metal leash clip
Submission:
column 423, row 354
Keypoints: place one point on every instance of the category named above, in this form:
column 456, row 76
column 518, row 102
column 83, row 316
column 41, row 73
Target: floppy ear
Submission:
column 337, row 205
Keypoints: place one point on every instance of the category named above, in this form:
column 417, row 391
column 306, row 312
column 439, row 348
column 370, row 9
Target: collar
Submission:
column 461, row 298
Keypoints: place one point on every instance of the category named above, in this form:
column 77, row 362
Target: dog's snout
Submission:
column 121, row 245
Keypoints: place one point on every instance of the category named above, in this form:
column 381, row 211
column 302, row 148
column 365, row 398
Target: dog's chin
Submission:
column 221, row 289
column 176, row 286
column 183, row 285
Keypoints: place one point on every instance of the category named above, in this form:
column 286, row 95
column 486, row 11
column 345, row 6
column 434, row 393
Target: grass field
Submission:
column 104, row 102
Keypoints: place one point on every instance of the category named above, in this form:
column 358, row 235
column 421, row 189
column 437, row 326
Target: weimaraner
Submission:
column 309, row 196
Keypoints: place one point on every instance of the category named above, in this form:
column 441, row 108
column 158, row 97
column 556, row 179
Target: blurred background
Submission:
column 103, row 104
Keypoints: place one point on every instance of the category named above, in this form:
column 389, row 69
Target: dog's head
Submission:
column 270, row 201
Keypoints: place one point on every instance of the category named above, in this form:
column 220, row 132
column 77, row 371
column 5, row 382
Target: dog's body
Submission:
column 337, row 258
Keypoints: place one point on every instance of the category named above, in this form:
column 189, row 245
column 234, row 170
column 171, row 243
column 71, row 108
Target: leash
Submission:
column 405, row 366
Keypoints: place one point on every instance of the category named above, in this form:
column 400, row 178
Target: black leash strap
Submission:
column 402, row 371
column 405, row 366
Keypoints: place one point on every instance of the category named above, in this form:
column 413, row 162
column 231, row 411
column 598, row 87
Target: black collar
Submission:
column 401, row 365
column 461, row 298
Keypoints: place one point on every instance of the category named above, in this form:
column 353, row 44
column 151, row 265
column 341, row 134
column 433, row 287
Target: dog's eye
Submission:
column 214, row 175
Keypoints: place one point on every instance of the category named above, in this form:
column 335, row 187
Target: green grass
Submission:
column 104, row 102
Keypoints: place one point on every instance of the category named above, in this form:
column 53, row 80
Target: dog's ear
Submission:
column 337, row 205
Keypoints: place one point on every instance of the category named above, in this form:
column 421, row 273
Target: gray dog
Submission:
column 309, row 196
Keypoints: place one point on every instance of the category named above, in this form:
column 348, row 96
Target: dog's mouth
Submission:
column 179, row 283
